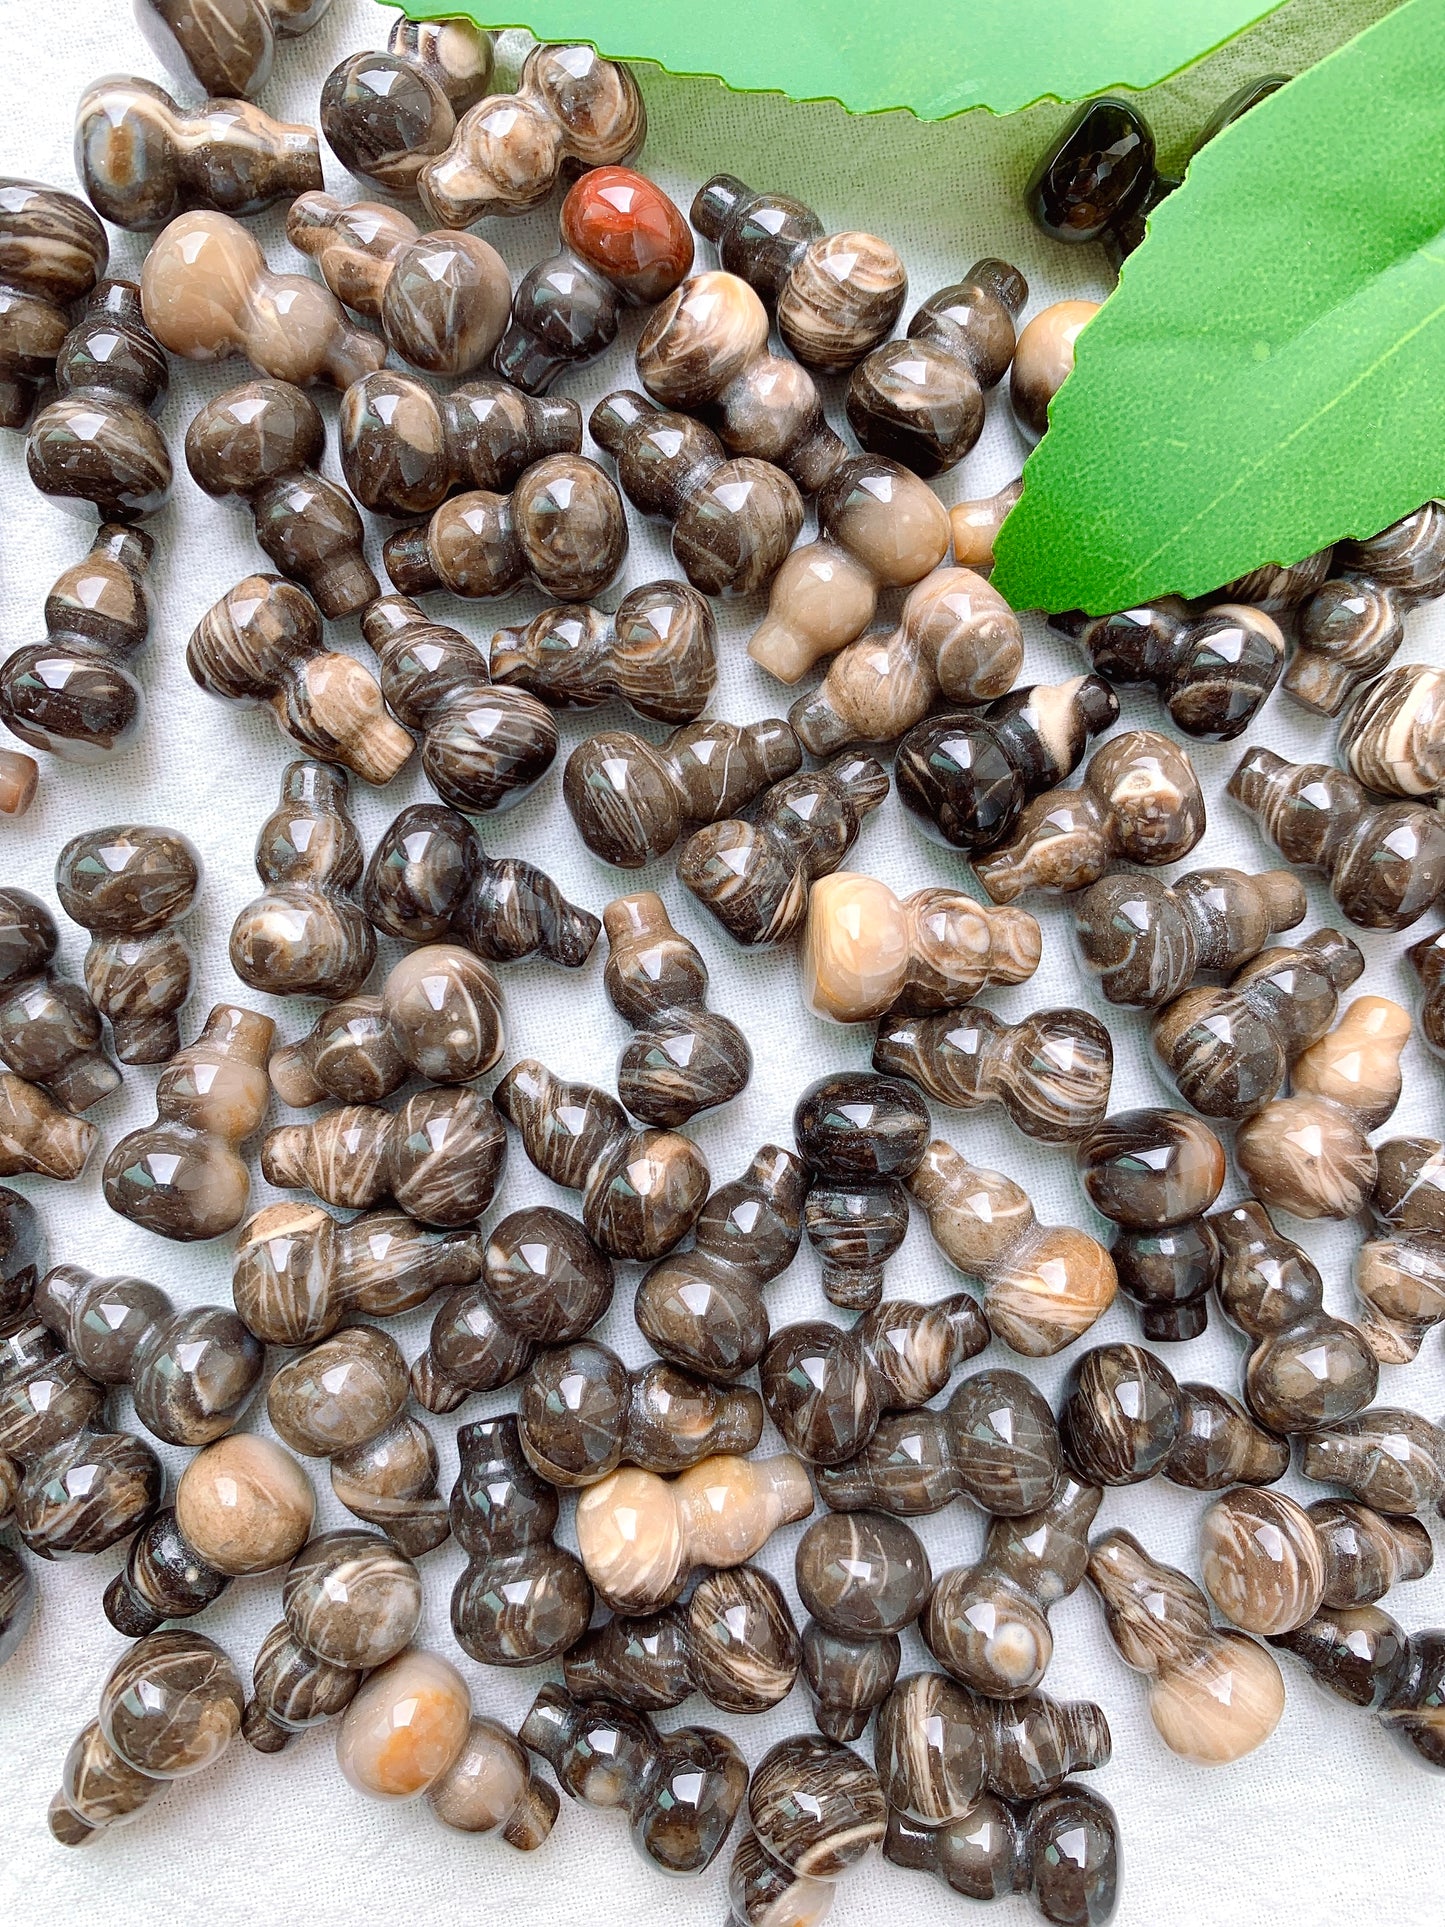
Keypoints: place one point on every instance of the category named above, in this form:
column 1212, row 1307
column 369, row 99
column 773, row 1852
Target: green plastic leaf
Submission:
column 1270, row 375
column 936, row 57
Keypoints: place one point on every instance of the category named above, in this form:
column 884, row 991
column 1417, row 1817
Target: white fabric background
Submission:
column 1324, row 1823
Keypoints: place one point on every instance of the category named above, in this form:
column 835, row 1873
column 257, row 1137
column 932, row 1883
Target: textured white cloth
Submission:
column 1328, row 1822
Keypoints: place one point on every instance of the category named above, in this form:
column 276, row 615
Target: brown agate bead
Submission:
column 1388, row 1458
column 703, row 1309
column 22, row 1261
column 1306, row 1369
column 130, row 886
column 164, row 1578
column 442, row 298
column 847, row 1679
column 1062, row 1851
column 262, row 443
column 481, row 748
column 1125, row 1418
column 835, row 296
column 404, row 447
column 292, row 1690
column 96, row 442
column 1044, row 360
column 49, row 1029
column 826, row 1389
column 440, row 1157
column 227, row 47
column 1051, row 1072
column 305, row 935
column 987, row 1624
column 1393, row 738
column 52, row 253
column 920, row 400
column 861, row 1136
column 630, row 798
column 143, row 159
column 430, row 878
column 816, row 1809
column 207, row 293
column 562, row 527
column 734, row 1642
column 1044, row 1285
column 862, row 1575
column 75, row 694
column 754, row 875
column 1385, row 862
column 37, row 1136
column 263, row 644
column 522, row 1599
column 19, row 778
column 1365, row 1658
column 657, row 654
column 492, row 1787
column 1139, row 799
column 1213, row 1695
column 345, row 1400
column 975, row 525
column 1097, row 176
column 1309, row 1154
column 244, row 1505
column 1147, row 940
column 571, row 107
column 734, row 521
column 1213, row 672
column 1400, row 1272
column 641, row 1190
column 1229, row 1051
column 1278, row 586
column 385, row 115
column 182, row 1177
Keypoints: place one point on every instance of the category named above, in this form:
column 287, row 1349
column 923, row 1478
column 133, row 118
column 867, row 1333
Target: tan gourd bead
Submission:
column 245, row 1505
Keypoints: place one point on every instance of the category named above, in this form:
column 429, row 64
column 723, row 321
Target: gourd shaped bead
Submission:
column 965, row 776
column 630, row 798
column 868, row 954
column 1062, row 1851
column 995, row 1442
column 305, row 936
column 385, row 115
column 17, row 1601
column 835, row 296
column 816, row 1809
column 1097, row 175
column 182, row 1177
column 1278, row 586
column 1400, row 1272
column 191, row 1372
column 826, row 1389
column 1043, row 361
column 570, row 106
column 657, row 654
column 522, row 1599
column 1385, row 862
column 441, row 298
column 864, row 1577
column 1269, row 1565
column 1388, row 1458
column 292, row 1690
column 227, row 50
column 492, row 1787
column 1125, row 1418
column 169, row 1708
column 52, row 253
column 733, row 520
column 734, row 1642
column 345, row 1400
column 641, row 1190
column 1230, row 1051
column 49, row 1029
column 439, row 1158
column 37, row 1136
column 130, row 886
column 703, row 1308
column 1147, row 940
column 684, row 1057
column 298, row 1271
column 263, row 643
column 879, row 527
column 96, row 442
column 1367, row 1659
column 1309, row 1153
column 430, row 878
column 562, row 527
column 1393, row 737
column 1155, row 1173
column 957, row 640
column 681, row 1791
column 1307, row 1368
column 1214, row 672
column 705, row 351
column 208, row 293
column 754, row 876
column 1213, row 1695
column 164, row 1578
column 861, row 1136
column 987, row 1624
column 75, row 694
column 975, row 524
column 143, row 159
column 1139, row 799
column 262, row 442
column 639, row 1535
column 22, row 1260
column 481, row 748
column 624, row 244
column 404, row 447
column 243, row 1506
column 920, row 400
column 1051, row 1072
column 1354, row 622
column 1044, row 1285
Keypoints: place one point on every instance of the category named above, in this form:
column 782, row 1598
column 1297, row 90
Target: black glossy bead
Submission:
column 1096, row 173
